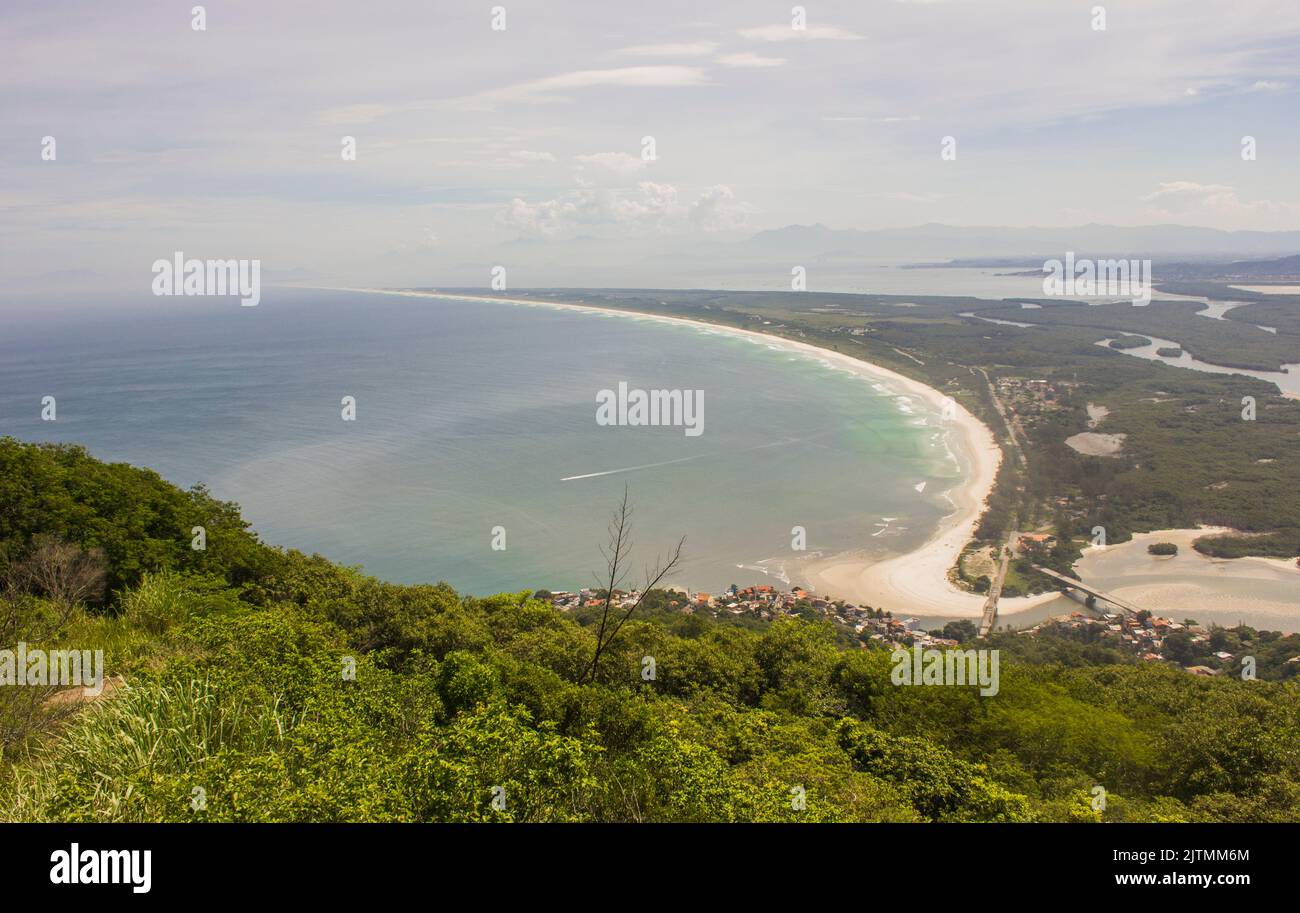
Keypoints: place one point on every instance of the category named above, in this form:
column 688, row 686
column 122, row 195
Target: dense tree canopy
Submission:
column 275, row 686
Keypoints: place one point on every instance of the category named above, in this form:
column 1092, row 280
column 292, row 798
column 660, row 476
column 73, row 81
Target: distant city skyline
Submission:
column 526, row 146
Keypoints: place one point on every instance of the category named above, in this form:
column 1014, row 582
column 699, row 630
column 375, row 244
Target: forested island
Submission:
column 1129, row 342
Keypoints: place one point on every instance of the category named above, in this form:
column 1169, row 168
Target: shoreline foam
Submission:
column 913, row 583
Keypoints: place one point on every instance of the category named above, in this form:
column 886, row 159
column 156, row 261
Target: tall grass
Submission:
column 159, row 602
column 152, row 732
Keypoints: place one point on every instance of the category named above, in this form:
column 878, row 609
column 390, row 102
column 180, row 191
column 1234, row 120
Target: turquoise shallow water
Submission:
column 469, row 415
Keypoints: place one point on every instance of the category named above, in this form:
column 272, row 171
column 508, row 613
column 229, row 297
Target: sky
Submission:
column 528, row 145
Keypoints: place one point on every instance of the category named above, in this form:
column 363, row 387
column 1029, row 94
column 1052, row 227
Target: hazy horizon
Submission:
column 527, row 145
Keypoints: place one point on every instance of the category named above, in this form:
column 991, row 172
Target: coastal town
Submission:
column 1199, row 649
column 766, row 603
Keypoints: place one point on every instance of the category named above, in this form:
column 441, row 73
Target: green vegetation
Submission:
column 1272, row 653
column 1232, row 343
column 1284, row 543
column 129, row 513
column 281, row 687
column 1169, row 351
column 1276, row 311
column 1129, row 342
column 1162, row 548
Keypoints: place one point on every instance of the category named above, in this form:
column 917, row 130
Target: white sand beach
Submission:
column 913, row 583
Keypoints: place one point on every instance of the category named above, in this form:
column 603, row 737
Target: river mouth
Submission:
column 1260, row 592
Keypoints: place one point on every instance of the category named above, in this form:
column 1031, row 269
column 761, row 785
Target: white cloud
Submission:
column 649, row 207
column 526, row 155
column 542, row 220
column 1187, row 190
column 806, row 147
column 643, row 207
column 891, row 119
column 747, row 59
column 682, row 49
column 548, row 89
column 786, row 32
column 355, row 114
column 1217, row 205
column 620, row 163
column 717, row 210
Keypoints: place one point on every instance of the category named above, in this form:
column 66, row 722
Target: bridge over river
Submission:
column 995, row 592
column 1090, row 590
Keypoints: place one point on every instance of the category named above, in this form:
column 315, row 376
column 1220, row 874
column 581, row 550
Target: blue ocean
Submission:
column 472, row 420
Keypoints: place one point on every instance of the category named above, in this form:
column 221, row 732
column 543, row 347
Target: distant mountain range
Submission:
column 995, row 246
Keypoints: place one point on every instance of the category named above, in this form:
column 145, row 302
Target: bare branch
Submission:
column 616, row 557
column 652, row 580
column 61, row 572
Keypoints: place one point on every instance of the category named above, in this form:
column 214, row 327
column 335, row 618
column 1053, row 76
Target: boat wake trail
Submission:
column 698, row 456
column 610, row 472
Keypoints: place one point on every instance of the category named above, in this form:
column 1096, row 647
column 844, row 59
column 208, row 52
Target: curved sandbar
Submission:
column 1193, row 585
column 914, row 583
